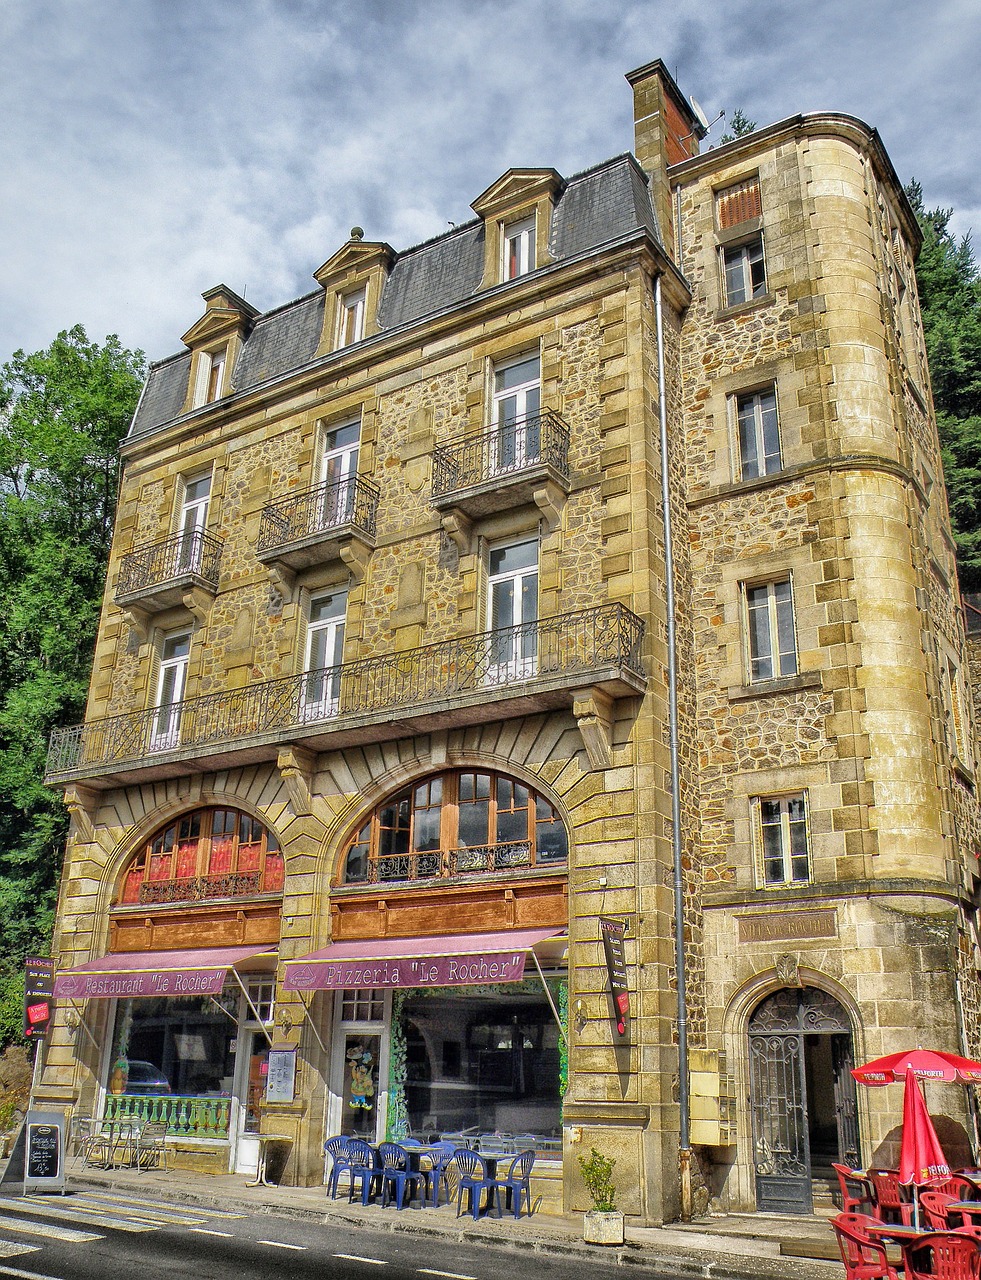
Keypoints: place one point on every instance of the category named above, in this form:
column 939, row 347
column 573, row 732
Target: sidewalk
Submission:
column 736, row 1246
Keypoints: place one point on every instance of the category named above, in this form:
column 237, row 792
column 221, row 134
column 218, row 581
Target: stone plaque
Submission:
column 788, row 926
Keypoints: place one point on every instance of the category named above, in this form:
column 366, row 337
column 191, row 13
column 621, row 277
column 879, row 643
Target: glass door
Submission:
column 321, row 691
column 512, row 612
column 515, row 441
column 192, row 523
column 338, row 475
column 166, row 723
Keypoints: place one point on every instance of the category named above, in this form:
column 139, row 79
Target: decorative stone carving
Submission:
column 593, row 710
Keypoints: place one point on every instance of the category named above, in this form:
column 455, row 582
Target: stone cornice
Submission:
column 845, row 462
column 831, row 893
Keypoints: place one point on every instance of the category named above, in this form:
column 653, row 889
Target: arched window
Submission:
column 210, row 853
column 466, row 822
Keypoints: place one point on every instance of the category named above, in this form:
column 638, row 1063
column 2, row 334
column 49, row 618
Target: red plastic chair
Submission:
column 889, row 1202
column 933, row 1209
column 958, row 1185
column 864, row 1258
column 943, row 1255
column 856, row 1193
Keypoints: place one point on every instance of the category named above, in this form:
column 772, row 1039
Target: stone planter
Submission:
column 602, row 1228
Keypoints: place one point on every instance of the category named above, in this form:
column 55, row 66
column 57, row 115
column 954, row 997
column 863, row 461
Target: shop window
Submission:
column 759, row 434
column 460, row 823
column 771, row 639
column 210, row 853
column 782, row 840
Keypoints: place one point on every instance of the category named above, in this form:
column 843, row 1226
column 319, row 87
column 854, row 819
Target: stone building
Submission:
column 419, row 660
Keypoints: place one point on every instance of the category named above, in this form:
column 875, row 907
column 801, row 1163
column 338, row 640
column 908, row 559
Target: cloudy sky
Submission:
column 150, row 149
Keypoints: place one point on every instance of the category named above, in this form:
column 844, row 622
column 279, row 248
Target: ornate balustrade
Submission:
column 196, row 555
column 352, row 502
column 539, row 440
column 565, row 652
column 185, row 1117
column 233, row 884
column 441, row 863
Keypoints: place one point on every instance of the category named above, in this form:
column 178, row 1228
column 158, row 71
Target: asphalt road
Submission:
column 95, row 1235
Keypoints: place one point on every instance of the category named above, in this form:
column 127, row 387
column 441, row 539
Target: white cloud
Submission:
column 153, row 149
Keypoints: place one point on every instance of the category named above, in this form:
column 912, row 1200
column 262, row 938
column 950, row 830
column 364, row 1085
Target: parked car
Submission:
column 146, row 1080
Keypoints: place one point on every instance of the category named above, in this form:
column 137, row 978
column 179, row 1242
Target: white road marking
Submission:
column 279, row 1244
column 26, row 1275
column 48, row 1229
column 450, row 1275
column 93, row 1219
column 356, row 1257
column 155, row 1206
column 203, row 1231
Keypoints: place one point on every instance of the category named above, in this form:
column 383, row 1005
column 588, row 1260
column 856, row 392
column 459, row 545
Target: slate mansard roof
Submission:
column 594, row 208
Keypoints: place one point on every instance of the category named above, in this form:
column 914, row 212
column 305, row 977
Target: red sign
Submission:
column 612, row 933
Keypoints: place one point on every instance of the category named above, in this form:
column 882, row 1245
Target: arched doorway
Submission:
column 802, row 1095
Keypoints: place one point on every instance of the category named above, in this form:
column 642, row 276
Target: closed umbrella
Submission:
column 921, row 1157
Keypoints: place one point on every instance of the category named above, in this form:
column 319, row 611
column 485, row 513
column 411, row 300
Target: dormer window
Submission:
column 350, row 319
column 210, row 382
column 519, row 248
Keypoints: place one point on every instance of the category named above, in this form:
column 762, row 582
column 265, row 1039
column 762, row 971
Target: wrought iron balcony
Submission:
column 158, row 574
column 308, row 527
column 502, row 465
column 495, row 675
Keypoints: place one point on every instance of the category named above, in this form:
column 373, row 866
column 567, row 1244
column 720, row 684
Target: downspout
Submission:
column 684, row 1140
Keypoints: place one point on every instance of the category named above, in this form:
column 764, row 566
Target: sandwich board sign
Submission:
column 44, row 1151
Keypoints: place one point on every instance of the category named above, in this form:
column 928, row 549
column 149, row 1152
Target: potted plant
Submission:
column 604, row 1223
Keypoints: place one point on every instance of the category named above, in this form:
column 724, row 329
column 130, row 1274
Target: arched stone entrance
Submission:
column 802, row 1095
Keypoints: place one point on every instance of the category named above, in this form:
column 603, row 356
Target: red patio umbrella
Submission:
column 921, row 1156
column 926, row 1064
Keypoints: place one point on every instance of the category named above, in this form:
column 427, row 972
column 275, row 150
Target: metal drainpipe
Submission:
column 684, row 1140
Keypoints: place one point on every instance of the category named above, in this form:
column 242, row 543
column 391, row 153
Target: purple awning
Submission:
column 153, row 973
column 459, row 960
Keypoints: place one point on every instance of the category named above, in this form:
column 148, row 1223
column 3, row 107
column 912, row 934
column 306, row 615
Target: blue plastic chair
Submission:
column 396, row 1171
column 336, row 1148
column 475, row 1180
column 439, row 1172
column 516, row 1181
column 364, row 1168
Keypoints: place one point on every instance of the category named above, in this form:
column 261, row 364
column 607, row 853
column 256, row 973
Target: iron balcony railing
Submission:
column 352, row 501
column 492, row 663
column 501, row 452
column 448, row 863
column 232, row 884
column 157, row 563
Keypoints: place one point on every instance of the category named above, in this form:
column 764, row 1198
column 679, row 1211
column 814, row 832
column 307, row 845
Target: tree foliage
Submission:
column 63, row 412
column 739, row 126
column 949, row 286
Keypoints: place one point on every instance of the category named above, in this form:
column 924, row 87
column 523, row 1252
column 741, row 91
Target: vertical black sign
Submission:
column 38, row 993
column 612, row 932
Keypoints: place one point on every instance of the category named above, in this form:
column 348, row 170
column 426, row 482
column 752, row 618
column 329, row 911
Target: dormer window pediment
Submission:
column 517, row 214
column 353, row 279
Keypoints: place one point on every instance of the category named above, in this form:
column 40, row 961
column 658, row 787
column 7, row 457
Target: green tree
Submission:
column 63, row 412
column 739, row 126
column 949, row 286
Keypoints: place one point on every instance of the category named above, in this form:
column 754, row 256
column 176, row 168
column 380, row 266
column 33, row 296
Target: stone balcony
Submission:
column 180, row 570
column 504, row 466
column 334, row 520
column 581, row 660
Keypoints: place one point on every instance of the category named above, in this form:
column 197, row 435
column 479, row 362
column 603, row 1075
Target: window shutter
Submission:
column 739, row 203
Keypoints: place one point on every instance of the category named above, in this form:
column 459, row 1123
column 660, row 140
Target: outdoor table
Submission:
column 971, row 1208
column 265, row 1140
column 114, row 1143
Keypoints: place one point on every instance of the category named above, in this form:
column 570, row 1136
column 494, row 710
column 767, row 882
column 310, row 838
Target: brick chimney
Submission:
column 666, row 131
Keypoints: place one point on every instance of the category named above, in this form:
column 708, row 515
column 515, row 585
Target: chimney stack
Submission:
column 666, row 131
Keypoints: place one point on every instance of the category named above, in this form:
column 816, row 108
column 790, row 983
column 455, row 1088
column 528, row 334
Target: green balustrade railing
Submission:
column 185, row 1117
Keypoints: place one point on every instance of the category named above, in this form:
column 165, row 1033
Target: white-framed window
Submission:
column 175, row 649
column 192, row 520
column 782, row 839
column 518, row 248
column 350, row 320
column 338, row 472
column 743, row 271
column 512, row 611
column 516, row 413
column 324, row 651
column 758, row 432
column 210, row 383
column 770, row 631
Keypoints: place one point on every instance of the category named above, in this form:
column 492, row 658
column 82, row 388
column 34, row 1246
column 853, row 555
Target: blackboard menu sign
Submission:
column 44, row 1150
column 281, row 1078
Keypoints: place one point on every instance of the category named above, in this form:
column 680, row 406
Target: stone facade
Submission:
column 827, row 842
